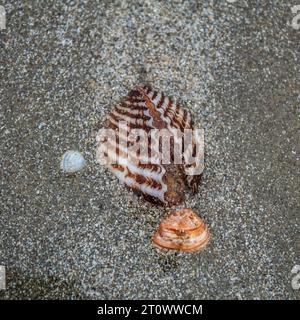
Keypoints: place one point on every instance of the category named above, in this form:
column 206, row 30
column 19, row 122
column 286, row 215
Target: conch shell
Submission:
column 182, row 230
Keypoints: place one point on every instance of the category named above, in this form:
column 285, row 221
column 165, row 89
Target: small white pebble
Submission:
column 42, row 125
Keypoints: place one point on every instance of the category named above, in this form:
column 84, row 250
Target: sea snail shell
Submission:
column 182, row 230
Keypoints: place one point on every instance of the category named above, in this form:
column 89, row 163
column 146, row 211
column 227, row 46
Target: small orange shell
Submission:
column 182, row 230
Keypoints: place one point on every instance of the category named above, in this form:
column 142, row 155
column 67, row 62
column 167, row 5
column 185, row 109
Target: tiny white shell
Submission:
column 72, row 161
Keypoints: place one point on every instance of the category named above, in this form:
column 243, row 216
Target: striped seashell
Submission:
column 182, row 230
column 146, row 109
column 72, row 161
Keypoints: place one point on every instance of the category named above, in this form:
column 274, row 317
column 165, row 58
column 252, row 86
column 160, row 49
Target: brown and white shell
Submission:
column 182, row 230
column 144, row 108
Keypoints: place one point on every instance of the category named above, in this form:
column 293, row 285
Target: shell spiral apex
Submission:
column 182, row 230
